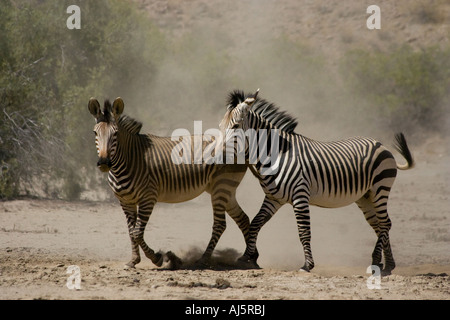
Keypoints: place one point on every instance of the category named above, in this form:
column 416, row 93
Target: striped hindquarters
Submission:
column 341, row 172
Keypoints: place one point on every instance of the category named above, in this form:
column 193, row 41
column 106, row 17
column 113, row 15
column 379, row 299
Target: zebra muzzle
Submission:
column 104, row 164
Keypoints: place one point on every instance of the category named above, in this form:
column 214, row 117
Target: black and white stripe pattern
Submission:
column 141, row 173
column 325, row 174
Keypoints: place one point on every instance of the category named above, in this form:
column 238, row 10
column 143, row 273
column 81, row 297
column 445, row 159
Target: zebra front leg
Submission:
column 131, row 215
column 301, row 210
column 269, row 207
column 145, row 209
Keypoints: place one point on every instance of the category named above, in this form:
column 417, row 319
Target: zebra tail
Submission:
column 402, row 147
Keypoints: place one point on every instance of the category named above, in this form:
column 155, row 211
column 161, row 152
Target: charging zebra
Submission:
column 141, row 172
column 309, row 172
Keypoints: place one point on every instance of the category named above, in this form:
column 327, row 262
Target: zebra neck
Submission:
column 130, row 150
column 264, row 151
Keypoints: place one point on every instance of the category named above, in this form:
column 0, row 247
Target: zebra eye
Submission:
column 235, row 126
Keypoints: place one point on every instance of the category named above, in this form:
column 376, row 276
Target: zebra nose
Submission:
column 104, row 164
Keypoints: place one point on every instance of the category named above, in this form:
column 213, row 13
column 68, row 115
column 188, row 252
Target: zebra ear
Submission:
column 117, row 107
column 246, row 105
column 256, row 94
column 94, row 107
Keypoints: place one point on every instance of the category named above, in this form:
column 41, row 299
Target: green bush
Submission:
column 48, row 73
column 432, row 12
column 406, row 86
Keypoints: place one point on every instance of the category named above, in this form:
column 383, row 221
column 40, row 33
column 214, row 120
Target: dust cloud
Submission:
column 235, row 46
column 245, row 45
column 222, row 259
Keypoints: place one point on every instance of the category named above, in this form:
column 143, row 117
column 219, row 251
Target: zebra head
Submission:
column 106, row 129
column 237, row 113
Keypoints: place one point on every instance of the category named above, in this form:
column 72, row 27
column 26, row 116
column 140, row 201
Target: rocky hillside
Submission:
column 333, row 27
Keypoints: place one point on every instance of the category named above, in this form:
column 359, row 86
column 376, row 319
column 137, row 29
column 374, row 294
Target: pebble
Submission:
column 222, row 283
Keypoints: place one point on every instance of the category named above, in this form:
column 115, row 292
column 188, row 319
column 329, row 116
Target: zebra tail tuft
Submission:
column 402, row 147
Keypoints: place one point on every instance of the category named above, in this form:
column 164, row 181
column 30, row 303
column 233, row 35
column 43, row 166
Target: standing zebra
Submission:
column 325, row 174
column 141, row 172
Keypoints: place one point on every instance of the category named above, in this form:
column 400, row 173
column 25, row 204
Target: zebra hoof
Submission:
column 158, row 259
column 130, row 265
column 307, row 268
column 245, row 262
column 175, row 262
column 387, row 271
column 202, row 263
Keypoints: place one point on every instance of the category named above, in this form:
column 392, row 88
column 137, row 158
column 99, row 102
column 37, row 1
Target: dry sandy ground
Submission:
column 40, row 239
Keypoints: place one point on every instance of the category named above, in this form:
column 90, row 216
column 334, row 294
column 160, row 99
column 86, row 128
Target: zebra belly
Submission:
column 181, row 196
column 335, row 201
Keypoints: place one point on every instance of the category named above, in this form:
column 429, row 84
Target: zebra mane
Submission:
column 266, row 110
column 129, row 124
column 107, row 110
column 126, row 123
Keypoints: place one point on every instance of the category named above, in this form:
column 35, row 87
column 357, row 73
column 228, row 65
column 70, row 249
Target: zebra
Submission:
column 309, row 172
column 141, row 173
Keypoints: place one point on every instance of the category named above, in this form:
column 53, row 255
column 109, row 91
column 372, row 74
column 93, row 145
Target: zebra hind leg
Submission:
column 377, row 216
